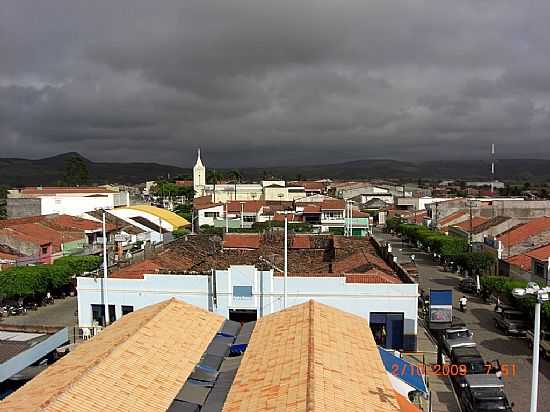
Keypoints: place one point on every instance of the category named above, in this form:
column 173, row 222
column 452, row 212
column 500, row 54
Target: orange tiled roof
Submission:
column 241, row 241
column 311, row 357
column 330, row 204
column 137, row 270
column 21, row 220
column 41, row 234
column 301, row 242
column 452, row 217
column 248, row 206
column 358, row 214
column 522, row 260
column 475, row 222
column 138, row 363
column 540, row 253
column 201, row 206
column 292, row 217
column 202, row 200
column 71, row 222
column 371, row 276
column 523, row 232
column 312, row 209
column 184, row 183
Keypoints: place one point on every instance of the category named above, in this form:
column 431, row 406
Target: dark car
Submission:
column 484, row 393
column 471, row 359
column 456, row 337
column 511, row 322
column 468, row 285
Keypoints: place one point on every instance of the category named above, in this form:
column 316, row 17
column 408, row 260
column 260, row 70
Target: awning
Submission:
column 403, row 371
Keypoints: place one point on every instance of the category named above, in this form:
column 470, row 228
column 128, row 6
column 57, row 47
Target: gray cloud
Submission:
column 258, row 82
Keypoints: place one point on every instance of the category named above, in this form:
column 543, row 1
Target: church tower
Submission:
column 199, row 176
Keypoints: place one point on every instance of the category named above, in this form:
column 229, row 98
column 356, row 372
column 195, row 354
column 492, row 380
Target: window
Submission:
column 127, row 309
column 334, row 215
column 98, row 314
column 242, row 291
column 211, row 214
column 249, row 218
column 44, row 250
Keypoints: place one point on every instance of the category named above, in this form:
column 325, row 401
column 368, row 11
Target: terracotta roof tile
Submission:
column 71, row 222
column 202, row 200
column 371, row 276
column 311, row 357
column 312, row 209
column 523, row 261
column 475, row 222
column 301, row 242
column 292, row 217
column 41, row 234
column 523, row 232
column 335, row 204
column 241, row 241
column 137, row 270
column 540, row 253
column 138, row 363
column 248, row 206
column 451, row 218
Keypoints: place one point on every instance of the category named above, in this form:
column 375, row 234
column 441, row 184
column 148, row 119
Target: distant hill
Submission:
column 507, row 169
column 50, row 171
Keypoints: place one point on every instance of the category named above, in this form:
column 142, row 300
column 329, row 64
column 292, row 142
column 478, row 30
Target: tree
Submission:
column 214, row 177
column 76, row 171
column 236, row 179
column 3, row 197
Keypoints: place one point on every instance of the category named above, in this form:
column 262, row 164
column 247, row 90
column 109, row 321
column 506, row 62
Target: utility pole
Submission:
column 471, row 224
column 105, row 272
column 285, row 296
column 226, row 221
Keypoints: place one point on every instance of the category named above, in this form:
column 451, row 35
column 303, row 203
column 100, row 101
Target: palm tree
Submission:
column 236, row 179
column 214, row 176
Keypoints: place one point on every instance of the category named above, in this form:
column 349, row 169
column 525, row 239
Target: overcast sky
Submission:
column 264, row 82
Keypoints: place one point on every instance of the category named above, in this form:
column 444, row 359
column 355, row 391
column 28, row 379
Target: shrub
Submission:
column 37, row 280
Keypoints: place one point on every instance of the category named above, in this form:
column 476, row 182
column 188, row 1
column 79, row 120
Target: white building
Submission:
column 271, row 190
column 244, row 291
column 62, row 200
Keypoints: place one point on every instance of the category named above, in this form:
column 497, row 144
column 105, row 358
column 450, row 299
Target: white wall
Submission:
column 267, row 298
column 203, row 220
column 75, row 205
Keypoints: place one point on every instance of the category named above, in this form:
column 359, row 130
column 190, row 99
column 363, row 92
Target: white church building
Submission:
column 271, row 190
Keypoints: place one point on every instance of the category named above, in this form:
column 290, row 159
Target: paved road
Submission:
column 61, row 313
column 480, row 319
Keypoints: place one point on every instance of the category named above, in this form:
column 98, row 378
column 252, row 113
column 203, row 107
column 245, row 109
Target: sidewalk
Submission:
column 443, row 398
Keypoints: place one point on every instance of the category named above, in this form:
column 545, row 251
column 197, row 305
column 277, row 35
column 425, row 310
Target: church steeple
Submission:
column 199, row 175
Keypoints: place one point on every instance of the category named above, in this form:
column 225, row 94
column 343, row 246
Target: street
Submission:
column 479, row 318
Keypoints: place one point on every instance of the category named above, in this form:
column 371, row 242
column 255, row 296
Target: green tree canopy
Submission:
column 76, row 171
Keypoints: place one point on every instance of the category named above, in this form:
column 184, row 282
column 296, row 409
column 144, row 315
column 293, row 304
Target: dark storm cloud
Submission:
column 257, row 82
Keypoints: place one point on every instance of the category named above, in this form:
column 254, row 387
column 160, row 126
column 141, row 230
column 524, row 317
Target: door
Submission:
column 396, row 331
column 243, row 315
column 387, row 329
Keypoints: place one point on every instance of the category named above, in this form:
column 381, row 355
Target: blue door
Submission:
column 387, row 329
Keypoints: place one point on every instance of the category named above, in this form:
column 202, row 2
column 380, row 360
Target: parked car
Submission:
column 468, row 285
column 455, row 338
column 484, row 393
column 511, row 322
column 471, row 359
column 544, row 346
